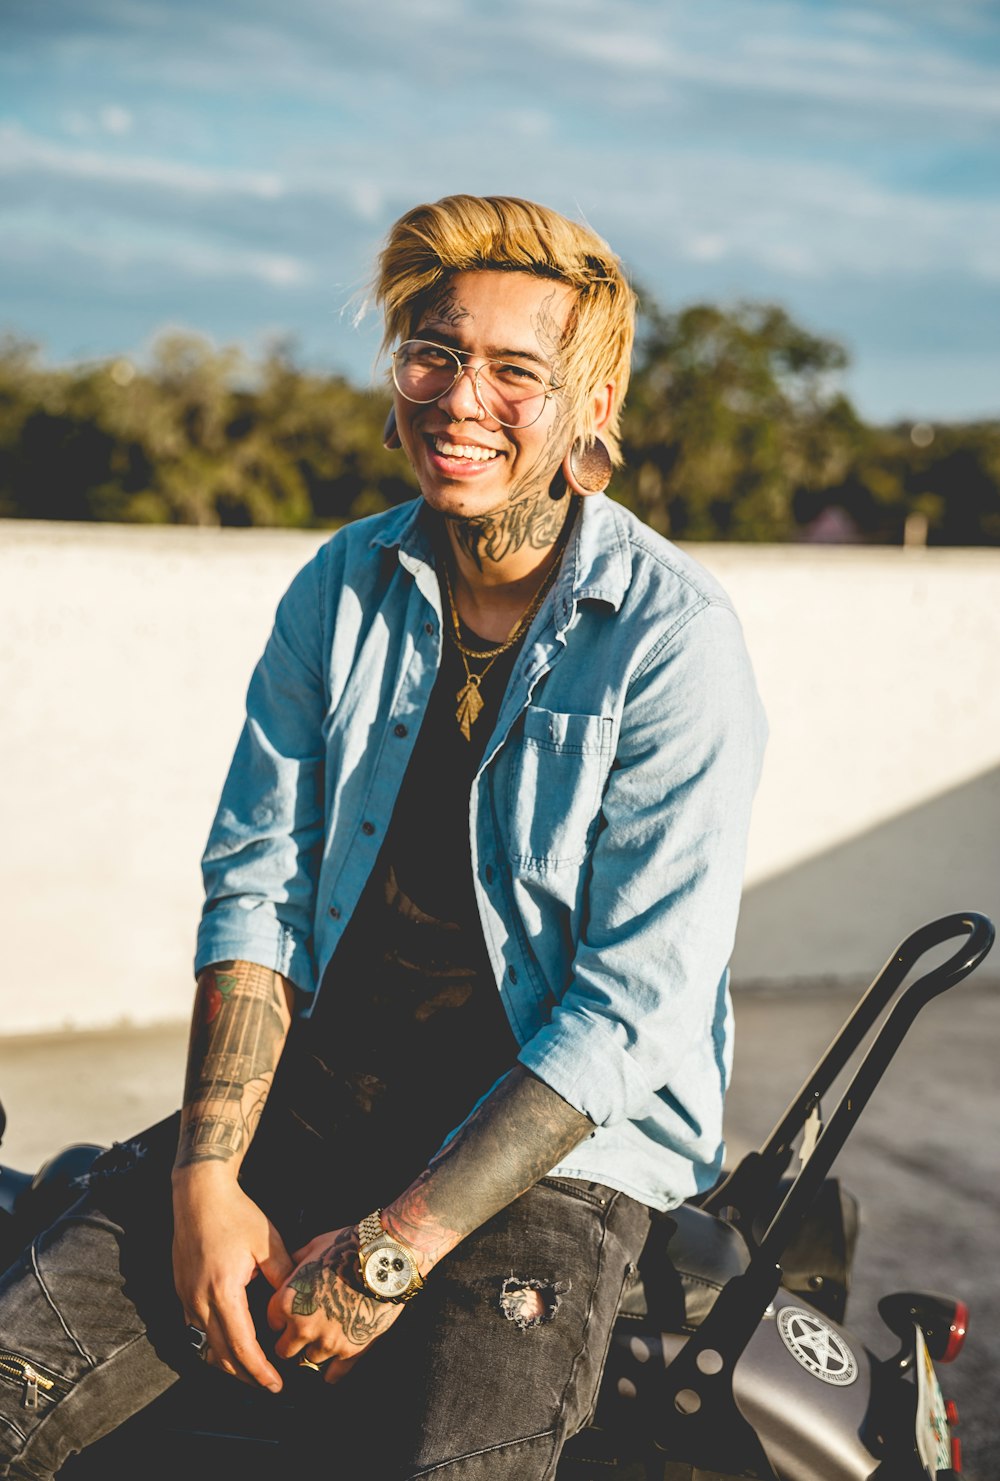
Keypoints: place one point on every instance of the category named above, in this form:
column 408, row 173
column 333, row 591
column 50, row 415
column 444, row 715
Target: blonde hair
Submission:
column 464, row 233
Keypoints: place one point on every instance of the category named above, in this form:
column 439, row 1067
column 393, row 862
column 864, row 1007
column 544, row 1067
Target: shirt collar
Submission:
column 597, row 565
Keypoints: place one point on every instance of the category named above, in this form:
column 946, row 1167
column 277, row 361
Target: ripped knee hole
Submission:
column 530, row 1303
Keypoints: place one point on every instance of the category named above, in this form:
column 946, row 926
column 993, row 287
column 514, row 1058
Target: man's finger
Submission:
column 291, row 1343
column 215, row 1353
column 277, row 1316
column 278, row 1264
column 223, row 1364
column 338, row 1368
column 309, row 1250
column 241, row 1345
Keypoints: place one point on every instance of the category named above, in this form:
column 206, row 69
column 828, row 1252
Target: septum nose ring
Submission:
column 480, row 411
column 480, row 408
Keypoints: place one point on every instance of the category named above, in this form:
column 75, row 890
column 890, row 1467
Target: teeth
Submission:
column 460, row 450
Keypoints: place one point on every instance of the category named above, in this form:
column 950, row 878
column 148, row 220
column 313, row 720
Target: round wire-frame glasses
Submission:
column 423, row 371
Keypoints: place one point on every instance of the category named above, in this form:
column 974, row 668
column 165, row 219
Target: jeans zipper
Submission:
column 12, row 1365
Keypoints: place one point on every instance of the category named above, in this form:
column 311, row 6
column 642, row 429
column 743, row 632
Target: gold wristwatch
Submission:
column 388, row 1266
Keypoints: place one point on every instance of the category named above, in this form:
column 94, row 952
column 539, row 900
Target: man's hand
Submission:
column 221, row 1238
column 323, row 1311
column 221, row 1241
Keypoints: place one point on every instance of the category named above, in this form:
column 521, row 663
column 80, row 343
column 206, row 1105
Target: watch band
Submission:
column 371, row 1227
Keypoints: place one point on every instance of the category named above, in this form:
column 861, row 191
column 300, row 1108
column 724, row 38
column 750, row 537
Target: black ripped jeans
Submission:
column 486, row 1374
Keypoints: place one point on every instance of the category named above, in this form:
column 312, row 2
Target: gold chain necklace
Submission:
column 470, row 701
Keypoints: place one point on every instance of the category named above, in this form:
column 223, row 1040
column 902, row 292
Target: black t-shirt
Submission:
column 408, row 1030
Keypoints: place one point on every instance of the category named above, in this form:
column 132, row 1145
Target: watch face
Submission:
column 388, row 1272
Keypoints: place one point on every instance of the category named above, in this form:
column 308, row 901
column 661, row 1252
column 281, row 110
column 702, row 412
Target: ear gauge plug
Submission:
column 587, row 467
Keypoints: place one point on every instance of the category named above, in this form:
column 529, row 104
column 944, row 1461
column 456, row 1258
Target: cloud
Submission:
column 878, row 57
column 128, row 257
column 779, row 52
column 76, row 122
column 822, row 221
column 110, row 119
column 22, row 152
column 784, row 146
column 707, row 246
column 115, row 119
column 818, row 219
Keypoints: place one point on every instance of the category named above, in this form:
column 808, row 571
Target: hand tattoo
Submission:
column 331, row 1284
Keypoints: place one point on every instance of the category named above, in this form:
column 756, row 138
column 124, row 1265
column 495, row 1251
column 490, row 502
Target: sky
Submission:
column 230, row 166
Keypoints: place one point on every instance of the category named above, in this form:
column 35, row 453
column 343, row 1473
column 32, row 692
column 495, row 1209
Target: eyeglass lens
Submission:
column 510, row 393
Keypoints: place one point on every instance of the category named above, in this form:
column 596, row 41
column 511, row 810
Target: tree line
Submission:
column 735, row 429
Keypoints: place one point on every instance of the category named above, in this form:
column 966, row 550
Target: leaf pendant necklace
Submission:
column 470, row 704
column 470, row 701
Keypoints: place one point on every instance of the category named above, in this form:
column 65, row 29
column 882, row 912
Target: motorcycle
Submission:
column 729, row 1360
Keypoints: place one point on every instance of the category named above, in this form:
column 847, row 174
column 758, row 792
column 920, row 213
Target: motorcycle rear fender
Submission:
column 807, row 1427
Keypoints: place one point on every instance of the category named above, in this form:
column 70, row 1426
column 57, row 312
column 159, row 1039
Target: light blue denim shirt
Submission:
column 608, row 819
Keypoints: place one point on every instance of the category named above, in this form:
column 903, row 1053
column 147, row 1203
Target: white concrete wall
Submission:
column 879, row 807
column 124, row 658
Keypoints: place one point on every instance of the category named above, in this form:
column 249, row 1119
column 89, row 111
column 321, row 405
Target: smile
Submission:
column 468, row 450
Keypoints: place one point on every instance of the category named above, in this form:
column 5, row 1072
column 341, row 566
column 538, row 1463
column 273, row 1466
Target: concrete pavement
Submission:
column 924, row 1160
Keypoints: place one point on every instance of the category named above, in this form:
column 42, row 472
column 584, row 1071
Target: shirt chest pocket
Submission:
column 555, row 782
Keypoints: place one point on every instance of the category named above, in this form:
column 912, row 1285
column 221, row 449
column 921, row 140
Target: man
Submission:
column 473, row 881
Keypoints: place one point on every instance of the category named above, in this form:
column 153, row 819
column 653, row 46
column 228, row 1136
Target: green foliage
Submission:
column 735, row 429
column 729, row 414
column 200, row 437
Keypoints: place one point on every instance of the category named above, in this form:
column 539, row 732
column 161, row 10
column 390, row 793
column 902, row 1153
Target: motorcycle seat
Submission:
column 688, row 1258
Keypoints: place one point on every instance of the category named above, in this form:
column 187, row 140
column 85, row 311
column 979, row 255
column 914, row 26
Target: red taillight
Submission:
column 951, row 1411
column 942, row 1319
column 956, row 1455
column 956, row 1336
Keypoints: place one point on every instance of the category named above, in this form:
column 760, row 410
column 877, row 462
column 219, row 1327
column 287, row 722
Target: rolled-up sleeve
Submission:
column 639, row 1019
column 261, row 863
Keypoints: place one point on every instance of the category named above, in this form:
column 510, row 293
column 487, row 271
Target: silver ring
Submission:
column 197, row 1339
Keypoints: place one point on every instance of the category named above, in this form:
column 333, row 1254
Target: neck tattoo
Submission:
column 470, row 701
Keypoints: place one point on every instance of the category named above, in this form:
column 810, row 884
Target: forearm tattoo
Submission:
column 521, row 1130
column 331, row 1284
column 240, row 1022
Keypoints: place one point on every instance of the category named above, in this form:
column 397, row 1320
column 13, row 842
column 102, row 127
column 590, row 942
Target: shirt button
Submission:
column 368, row 828
column 512, row 973
column 429, row 629
column 488, row 871
column 334, row 912
column 399, row 730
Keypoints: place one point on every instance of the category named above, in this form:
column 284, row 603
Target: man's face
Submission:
column 467, row 463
